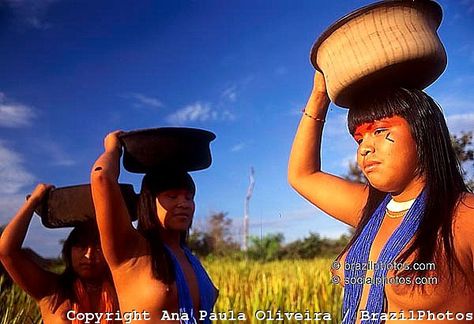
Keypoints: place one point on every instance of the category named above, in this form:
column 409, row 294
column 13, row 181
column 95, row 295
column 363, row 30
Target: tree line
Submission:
column 215, row 239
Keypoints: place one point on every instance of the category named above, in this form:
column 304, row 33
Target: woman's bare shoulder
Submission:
column 463, row 226
column 465, row 208
column 139, row 260
column 464, row 215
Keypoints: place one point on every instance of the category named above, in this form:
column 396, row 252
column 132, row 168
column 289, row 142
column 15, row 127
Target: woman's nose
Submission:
column 365, row 151
column 88, row 253
column 92, row 252
column 184, row 202
column 365, row 148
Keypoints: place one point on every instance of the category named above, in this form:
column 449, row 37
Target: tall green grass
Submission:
column 292, row 286
column 244, row 286
column 16, row 307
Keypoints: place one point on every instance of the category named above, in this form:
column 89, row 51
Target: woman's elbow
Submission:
column 99, row 178
column 293, row 179
column 296, row 173
column 5, row 251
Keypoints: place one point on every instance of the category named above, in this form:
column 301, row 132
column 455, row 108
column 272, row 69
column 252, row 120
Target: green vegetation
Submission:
column 288, row 285
column 244, row 286
column 16, row 307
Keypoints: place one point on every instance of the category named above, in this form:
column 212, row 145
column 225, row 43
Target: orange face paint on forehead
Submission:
column 388, row 122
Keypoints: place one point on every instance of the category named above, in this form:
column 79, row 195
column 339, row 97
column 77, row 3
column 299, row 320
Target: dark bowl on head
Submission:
column 167, row 148
column 72, row 206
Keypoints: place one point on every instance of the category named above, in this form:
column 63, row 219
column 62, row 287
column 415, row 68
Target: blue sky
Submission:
column 71, row 71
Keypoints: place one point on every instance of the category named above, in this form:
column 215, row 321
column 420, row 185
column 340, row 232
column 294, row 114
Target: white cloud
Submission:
column 456, row 101
column 234, row 89
column 193, row 112
column 230, row 93
column 142, row 100
column 13, row 114
column 460, row 122
column 199, row 112
column 13, row 176
column 238, row 147
column 226, row 115
column 9, row 204
column 56, row 154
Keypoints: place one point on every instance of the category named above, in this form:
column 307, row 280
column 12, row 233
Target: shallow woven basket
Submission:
column 72, row 206
column 388, row 43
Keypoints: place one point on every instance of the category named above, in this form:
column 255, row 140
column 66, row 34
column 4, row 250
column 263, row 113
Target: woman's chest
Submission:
column 440, row 287
column 63, row 314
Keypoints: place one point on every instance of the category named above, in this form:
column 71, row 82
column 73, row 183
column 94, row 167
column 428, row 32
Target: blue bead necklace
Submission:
column 358, row 254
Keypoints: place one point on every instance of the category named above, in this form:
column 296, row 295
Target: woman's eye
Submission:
column 172, row 196
column 379, row 131
column 359, row 141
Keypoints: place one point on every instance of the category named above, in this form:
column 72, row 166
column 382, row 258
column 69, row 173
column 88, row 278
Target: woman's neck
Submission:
column 171, row 238
column 411, row 191
column 92, row 284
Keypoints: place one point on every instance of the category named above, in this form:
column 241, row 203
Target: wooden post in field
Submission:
column 246, row 209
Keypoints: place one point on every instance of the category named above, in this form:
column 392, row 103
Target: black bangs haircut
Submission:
column 148, row 224
column 437, row 163
column 85, row 234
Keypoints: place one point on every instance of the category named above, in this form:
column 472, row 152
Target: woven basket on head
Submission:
column 72, row 206
column 388, row 43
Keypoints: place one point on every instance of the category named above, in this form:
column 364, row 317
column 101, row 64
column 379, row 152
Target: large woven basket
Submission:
column 388, row 43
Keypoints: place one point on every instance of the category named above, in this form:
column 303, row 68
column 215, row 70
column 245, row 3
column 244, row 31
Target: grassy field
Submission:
column 16, row 307
column 255, row 290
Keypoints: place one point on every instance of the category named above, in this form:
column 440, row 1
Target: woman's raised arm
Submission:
column 339, row 198
column 33, row 279
column 113, row 220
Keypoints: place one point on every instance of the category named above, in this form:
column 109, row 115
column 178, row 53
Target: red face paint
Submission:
column 365, row 128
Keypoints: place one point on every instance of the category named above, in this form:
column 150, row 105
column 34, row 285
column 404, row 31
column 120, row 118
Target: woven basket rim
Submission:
column 435, row 8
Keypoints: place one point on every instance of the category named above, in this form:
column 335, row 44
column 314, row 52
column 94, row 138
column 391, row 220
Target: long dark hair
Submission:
column 437, row 163
column 148, row 223
column 86, row 233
